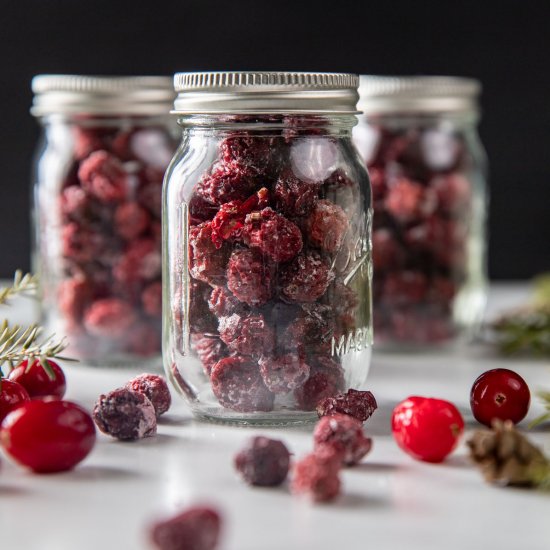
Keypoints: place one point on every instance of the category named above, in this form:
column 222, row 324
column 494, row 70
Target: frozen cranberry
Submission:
column 238, row 385
column 199, row 317
column 12, row 395
column 141, row 262
column 317, row 476
column 151, row 299
column 386, row 251
column 125, row 414
column 73, row 297
column 247, row 334
column 263, row 462
column 314, row 325
column 80, row 244
column 155, row 388
column 250, row 277
column 453, row 192
column 103, row 176
column 306, row 278
column 195, row 529
column 405, row 287
column 38, row 381
column 408, row 201
column 109, row 317
column 345, row 435
column 206, row 262
column 294, row 197
column 426, row 428
column 500, row 394
column 284, row 373
column 274, row 235
column 326, row 379
column 226, row 183
column 327, row 225
column 131, row 220
column 355, row 403
column 209, row 350
column 48, row 435
column 222, row 303
column 143, row 339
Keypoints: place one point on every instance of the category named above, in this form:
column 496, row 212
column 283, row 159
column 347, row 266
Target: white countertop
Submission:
column 390, row 502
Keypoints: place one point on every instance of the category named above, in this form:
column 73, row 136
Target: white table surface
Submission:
column 390, row 502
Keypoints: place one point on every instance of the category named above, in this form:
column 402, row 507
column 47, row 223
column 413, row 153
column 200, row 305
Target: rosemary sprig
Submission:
column 23, row 284
column 545, row 396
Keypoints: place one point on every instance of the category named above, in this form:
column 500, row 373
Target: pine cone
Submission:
column 507, row 457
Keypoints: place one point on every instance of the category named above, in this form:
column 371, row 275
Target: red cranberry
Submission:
column 149, row 196
column 73, row 297
column 141, row 262
column 200, row 210
column 426, row 428
column 103, row 176
column 247, row 334
column 250, row 153
column 249, row 277
column 209, row 350
column 294, row 197
column 125, row 414
column 75, row 203
column 48, row 435
column 327, row 226
column 284, row 373
column 263, row 462
column 155, row 388
column 222, row 303
column 195, row 529
column 206, row 262
column 453, row 192
column 355, row 403
column 37, row 381
column 500, row 394
column 131, row 220
column 313, row 326
column 378, row 183
column 325, row 380
column 226, row 183
column 317, row 475
column 80, row 244
column 408, row 201
column 109, row 317
column 12, row 395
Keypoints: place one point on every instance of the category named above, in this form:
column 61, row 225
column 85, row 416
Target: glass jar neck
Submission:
column 105, row 121
column 462, row 119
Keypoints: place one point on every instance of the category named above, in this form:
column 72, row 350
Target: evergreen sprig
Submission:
column 23, row 284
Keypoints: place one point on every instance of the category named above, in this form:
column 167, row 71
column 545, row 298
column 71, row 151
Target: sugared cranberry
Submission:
column 359, row 404
column 223, row 303
column 103, row 176
column 73, row 297
column 325, row 380
column 75, row 203
column 80, row 244
column 12, row 395
column 209, row 350
column 238, row 385
column 247, row 334
column 206, row 262
column 155, row 388
column 250, row 277
column 252, row 153
column 283, row 373
column 426, row 428
column 38, row 381
column 48, row 435
column 141, row 262
column 500, row 394
column 312, row 326
column 327, row 225
column 263, row 462
column 131, row 220
column 200, row 210
column 294, row 197
column 226, row 183
column 125, row 414
column 109, row 317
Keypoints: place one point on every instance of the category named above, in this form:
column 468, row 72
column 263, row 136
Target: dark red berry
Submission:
column 408, row 201
column 209, row 350
column 103, row 176
column 426, row 428
column 155, row 388
column 327, row 226
column 223, row 303
column 359, row 404
column 294, row 197
column 38, row 381
column 73, row 297
column 326, row 379
column 314, row 325
column 199, row 317
column 263, row 462
column 247, row 334
column 48, row 435
column 283, row 373
column 226, row 183
column 196, row 528
column 500, row 394
column 250, row 277
column 140, row 262
column 125, row 414
column 405, row 288
column 387, row 253
column 131, row 220
column 317, row 475
column 206, row 262
column 12, row 395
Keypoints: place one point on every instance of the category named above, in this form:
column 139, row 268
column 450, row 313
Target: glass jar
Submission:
column 427, row 167
column 267, row 265
column 106, row 143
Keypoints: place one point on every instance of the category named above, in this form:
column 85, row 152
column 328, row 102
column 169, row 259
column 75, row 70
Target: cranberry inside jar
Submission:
column 97, row 202
column 267, row 260
column 426, row 164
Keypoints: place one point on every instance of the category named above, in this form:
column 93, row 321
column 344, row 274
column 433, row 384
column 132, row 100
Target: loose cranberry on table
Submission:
column 500, row 394
column 196, row 528
column 426, row 428
column 48, row 435
column 155, row 388
column 37, row 380
column 12, row 395
column 356, row 403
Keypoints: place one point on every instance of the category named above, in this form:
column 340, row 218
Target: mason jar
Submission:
column 427, row 167
column 267, row 251
column 106, row 142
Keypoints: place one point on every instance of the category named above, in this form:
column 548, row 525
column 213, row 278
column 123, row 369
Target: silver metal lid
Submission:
column 391, row 94
column 265, row 92
column 101, row 95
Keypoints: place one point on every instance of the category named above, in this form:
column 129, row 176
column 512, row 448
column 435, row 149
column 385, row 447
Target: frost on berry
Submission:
column 238, row 385
column 356, row 403
column 140, row 262
column 155, row 388
column 263, row 462
column 274, row 235
column 306, row 278
column 345, row 435
column 317, row 476
column 209, row 350
column 200, row 317
column 283, row 373
column 151, row 299
column 250, row 277
column 325, row 380
column 223, row 303
column 109, row 317
column 125, row 414
column 103, row 176
column 225, row 183
column 206, row 262
column 251, row 154
column 313, row 325
column 131, row 220
column 197, row 528
column 294, row 197
column 247, row 334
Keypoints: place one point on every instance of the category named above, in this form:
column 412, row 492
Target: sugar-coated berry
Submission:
column 196, row 528
column 326, row 379
column 250, row 277
column 283, row 373
column 155, row 388
column 263, row 462
column 109, row 317
column 48, row 435
column 356, row 403
column 426, row 428
column 12, row 395
column 38, row 381
column 500, row 394
column 327, row 226
column 247, row 334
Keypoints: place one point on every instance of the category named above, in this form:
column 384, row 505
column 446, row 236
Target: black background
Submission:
column 505, row 44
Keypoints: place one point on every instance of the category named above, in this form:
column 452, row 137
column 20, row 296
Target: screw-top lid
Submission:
column 404, row 94
column 101, row 95
column 265, row 92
